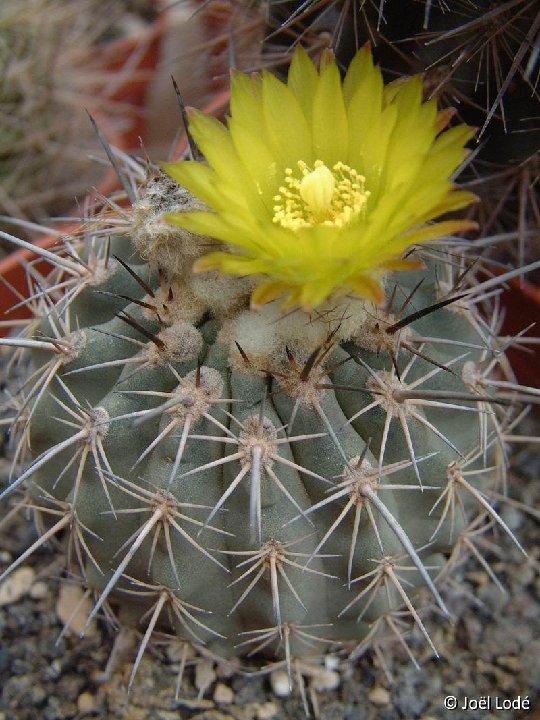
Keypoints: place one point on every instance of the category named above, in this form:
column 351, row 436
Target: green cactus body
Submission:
column 302, row 490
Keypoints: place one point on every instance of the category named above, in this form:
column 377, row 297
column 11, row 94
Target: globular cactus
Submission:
column 254, row 480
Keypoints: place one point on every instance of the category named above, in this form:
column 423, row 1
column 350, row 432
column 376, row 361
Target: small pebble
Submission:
column 279, row 681
column 484, row 667
column 530, row 659
column 331, row 711
column 509, row 662
column 39, row 590
column 524, row 573
column 512, row 516
column 223, row 694
column 176, row 651
column 331, row 662
column 38, row 694
column 379, row 696
column 86, row 703
column 53, row 671
column 505, row 681
column 325, row 680
column 478, row 577
column 73, row 609
column 267, row 711
column 228, row 668
column 205, row 675
column 16, row 585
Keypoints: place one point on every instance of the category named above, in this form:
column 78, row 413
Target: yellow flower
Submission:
column 318, row 186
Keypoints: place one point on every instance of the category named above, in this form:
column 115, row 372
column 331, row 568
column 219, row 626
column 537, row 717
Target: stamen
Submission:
column 321, row 196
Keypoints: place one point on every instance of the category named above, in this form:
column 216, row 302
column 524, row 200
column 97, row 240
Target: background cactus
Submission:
column 252, row 482
column 53, row 73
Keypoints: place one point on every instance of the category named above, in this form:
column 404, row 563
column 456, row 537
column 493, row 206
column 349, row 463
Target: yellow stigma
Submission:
column 321, row 196
column 317, row 190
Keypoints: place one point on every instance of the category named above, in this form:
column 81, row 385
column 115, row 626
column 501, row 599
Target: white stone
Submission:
column 331, row 662
column 223, row 694
column 324, row 680
column 16, row 585
column 86, row 703
column 279, row 681
column 205, row 675
column 267, row 711
column 73, row 608
column 379, row 696
column 39, row 590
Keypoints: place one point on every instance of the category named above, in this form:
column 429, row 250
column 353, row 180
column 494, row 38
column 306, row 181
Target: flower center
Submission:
column 321, row 196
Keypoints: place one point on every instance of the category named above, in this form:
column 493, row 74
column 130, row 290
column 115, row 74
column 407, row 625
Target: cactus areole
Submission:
column 263, row 413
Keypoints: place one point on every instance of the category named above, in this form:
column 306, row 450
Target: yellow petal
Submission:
column 198, row 179
column 215, row 141
column 363, row 78
column 375, row 149
column 364, row 109
column 286, row 125
column 457, row 200
column 267, row 292
column 303, row 79
column 246, row 126
column 444, row 117
column 411, row 136
column 368, row 287
column 330, row 125
column 437, row 230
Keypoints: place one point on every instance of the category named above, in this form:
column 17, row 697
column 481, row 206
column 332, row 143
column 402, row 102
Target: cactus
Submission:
column 257, row 479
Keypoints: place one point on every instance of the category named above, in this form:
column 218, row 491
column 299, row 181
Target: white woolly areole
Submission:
column 100, row 272
column 306, row 331
column 196, row 393
column 357, row 471
column 372, row 335
column 221, row 293
column 158, row 241
column 264, row 333
column 175, row 302
column 255, row 332
column 72, row 346
column 97, row 424
column 175, row 344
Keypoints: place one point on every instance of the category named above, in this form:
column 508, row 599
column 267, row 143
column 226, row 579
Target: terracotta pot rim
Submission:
column 519, row 284
column 529, row 289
